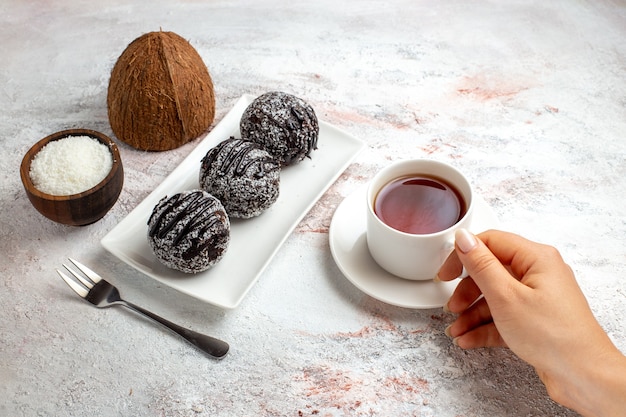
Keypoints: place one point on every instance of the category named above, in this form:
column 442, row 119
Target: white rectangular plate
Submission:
column 253, row 242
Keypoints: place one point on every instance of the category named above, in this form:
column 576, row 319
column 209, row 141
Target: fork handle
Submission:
column 214, row 347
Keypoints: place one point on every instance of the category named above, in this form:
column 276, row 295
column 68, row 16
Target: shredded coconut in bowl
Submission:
column 70, row 165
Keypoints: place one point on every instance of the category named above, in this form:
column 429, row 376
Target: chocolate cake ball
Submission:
column 242, row 175
column 189, row 231
column 283, row 124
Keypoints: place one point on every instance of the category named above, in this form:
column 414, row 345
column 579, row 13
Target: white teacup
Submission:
column 413, row 254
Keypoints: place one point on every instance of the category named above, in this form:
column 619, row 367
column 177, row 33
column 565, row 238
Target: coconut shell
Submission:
column 160, row 93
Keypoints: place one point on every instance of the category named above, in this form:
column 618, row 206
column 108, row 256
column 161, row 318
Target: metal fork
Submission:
column 102, row 294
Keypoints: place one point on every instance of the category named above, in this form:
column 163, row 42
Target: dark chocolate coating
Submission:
column 242, row 175
column 189, row 231
column 283, row 124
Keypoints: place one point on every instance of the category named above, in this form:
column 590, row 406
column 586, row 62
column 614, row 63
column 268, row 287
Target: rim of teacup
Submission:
column 383, row 177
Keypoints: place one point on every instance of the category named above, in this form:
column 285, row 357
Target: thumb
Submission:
column 487, row 271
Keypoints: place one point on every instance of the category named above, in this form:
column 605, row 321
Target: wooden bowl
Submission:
column 77, row 209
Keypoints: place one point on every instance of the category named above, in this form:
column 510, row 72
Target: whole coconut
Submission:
column 160, row 94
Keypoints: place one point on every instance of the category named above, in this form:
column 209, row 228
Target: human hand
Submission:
column 532, row 304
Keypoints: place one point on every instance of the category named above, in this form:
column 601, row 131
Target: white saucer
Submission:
column 348, row 246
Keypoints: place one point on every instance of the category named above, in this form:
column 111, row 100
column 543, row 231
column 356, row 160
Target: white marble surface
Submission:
column 528, row 98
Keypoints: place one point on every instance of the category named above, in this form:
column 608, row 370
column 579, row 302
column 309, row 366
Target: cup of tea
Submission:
column 414, row 208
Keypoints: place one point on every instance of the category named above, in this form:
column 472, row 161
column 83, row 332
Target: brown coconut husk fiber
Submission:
column 160, row 93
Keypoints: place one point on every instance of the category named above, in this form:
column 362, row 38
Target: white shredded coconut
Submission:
column 70, row 165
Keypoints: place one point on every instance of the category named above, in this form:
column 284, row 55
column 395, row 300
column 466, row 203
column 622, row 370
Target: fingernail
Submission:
column 447, row 331
column 465, row 240
column 437, row 279
column 455, row 341
column 446, row 308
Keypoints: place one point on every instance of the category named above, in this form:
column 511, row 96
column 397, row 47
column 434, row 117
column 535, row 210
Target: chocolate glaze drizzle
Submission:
column 193, row 205
column 236, row 157
column 301, row 118
column 305, row 114
column 293, row 121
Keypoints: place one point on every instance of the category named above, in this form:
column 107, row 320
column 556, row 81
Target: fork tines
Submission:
column 88, row 272
column 80, row 284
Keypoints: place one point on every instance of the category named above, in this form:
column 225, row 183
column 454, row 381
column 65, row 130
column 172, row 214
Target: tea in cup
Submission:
column 414, row 208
